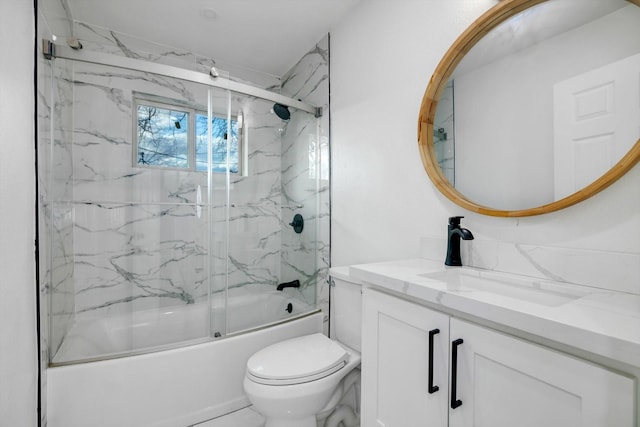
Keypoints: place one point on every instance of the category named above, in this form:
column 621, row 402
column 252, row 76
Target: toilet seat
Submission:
column 297, row 361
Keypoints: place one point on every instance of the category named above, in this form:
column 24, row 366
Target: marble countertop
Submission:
column 602, row 322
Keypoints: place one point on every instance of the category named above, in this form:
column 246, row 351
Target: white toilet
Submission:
column 295, row 382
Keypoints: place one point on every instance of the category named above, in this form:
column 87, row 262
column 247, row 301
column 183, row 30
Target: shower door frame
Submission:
column 65, row 52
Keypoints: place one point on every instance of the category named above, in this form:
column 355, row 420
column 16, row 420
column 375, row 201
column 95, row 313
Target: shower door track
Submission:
column 65, row 52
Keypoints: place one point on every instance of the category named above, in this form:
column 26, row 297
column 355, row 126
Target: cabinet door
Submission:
column 504, row 382
column 395, row 363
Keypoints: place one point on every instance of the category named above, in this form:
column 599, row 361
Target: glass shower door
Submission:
column 129, row 212
column 271, row 185
column 175, row 211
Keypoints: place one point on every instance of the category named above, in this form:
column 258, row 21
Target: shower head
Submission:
column 214, row 73
column 281, row 111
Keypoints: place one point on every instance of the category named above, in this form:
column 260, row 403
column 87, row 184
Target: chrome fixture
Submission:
column 48, row 49
column 74, row 43
column 52, row 50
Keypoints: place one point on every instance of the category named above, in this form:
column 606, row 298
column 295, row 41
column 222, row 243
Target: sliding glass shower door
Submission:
column 128, row 202
column 172, row 211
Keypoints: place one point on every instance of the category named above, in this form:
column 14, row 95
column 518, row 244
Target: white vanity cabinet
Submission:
column 499, row 380
column 395, row 363
column 505, row 381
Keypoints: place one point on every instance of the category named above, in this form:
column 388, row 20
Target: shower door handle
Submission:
column 432, row 388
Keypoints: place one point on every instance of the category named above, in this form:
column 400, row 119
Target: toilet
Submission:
column 296, row 382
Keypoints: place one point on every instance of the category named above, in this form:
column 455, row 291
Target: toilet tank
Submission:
column 345, row 323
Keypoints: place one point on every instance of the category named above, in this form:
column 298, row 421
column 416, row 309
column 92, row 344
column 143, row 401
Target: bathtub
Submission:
column 116, row 334
column 175, row 387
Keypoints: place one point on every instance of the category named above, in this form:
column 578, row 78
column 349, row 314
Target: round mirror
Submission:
column 536, row 106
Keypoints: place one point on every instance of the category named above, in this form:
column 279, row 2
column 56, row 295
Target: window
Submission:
column 163, row 136
column 219, row 137
column 175, row 136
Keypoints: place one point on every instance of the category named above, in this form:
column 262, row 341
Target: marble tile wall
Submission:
column 125, row 238
column 103, row 40
column 55, row 188
column 139, row 240
column 608, row 270
column 95, row 38
column 255, row 208
column 305, row 175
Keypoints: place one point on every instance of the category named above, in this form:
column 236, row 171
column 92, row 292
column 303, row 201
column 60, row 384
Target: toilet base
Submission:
column 300, row 422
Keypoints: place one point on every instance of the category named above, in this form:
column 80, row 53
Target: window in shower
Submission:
column 162, row 136
column 175, row 136
column 219, row 135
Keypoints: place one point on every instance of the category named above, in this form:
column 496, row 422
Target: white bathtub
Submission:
column 241, row 308
column 171, row 388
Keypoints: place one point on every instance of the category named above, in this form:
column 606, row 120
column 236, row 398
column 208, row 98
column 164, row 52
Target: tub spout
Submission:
column 292, row 284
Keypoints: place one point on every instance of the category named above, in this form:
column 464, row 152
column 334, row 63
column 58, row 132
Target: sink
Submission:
column 530, row 289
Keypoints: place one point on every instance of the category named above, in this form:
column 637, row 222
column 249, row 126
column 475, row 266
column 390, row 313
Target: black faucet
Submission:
column 292, row 284
column 455, row 232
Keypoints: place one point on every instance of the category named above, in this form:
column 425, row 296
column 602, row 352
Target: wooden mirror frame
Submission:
column 489, row 20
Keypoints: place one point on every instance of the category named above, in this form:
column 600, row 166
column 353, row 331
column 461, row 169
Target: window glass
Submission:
column 163, row 137
column 176, row 137
column 219, row 135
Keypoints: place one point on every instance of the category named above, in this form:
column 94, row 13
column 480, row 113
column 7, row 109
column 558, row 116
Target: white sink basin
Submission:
column 530, row 289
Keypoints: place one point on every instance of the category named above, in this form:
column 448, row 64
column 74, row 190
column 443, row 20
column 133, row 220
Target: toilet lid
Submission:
column 297, row 360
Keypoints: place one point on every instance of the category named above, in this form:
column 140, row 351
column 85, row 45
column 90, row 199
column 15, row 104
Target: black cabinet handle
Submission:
column 455, row 402
column 432, row 388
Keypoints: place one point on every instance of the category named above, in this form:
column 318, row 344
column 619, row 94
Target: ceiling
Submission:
column 269, row 36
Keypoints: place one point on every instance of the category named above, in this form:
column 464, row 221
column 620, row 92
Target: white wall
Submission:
column 18, row 352
column 382, row 57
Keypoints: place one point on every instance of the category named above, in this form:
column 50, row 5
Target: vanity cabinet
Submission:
column 480, row 377
column 395, row 363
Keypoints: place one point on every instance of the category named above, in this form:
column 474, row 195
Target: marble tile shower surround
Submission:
column 127, row 252
column 142, row 242
column 54, row 17
column 100, row 39
column 304, row 180
column 56, row 211
column 97, row 227
column 255, row 224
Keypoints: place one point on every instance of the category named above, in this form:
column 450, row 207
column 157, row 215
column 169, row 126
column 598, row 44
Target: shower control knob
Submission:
column 297, row 223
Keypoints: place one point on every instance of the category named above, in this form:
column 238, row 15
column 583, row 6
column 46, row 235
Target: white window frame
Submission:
column 191, row 111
